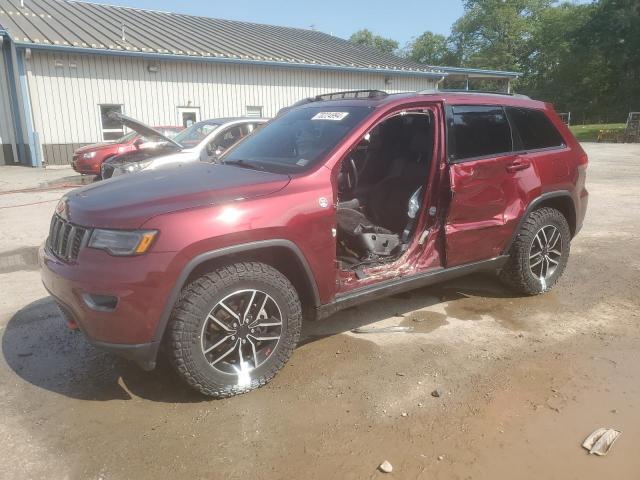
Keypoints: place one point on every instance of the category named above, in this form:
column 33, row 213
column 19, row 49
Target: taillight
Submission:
column 583, row 159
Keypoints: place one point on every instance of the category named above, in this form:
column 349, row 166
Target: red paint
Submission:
column 204, row 207
column 104, row 151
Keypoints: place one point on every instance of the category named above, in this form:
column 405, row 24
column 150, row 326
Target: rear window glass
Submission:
column 534, row 129
column 480, row 131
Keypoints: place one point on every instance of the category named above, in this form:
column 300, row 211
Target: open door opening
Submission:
column 381, row 185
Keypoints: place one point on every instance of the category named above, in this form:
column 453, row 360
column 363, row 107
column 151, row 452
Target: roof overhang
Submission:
column 459, row 72
column 437, row 75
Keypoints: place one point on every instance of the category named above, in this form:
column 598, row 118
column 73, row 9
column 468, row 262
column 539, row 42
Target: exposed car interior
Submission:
column 380, row 189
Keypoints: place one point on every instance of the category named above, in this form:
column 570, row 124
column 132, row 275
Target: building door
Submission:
column 187, row 116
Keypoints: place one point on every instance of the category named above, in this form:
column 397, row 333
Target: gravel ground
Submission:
column 522, row 381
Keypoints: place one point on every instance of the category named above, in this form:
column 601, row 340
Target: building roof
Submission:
column 81, row 26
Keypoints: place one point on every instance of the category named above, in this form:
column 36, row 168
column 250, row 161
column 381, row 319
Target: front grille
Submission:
column 66, row 239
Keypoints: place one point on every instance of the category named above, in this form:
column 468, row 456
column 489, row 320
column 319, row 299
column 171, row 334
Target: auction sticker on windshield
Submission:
column 335, row 116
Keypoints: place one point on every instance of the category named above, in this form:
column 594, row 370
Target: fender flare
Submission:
column 222, row 252
column 532, row 206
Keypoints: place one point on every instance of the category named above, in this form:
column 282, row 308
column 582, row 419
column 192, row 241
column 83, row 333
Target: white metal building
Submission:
column 66, row 64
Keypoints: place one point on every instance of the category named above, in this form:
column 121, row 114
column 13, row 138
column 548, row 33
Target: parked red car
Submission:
column 341, row 199
column 89, row 159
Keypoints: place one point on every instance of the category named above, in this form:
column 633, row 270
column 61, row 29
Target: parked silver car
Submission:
column 202, row 141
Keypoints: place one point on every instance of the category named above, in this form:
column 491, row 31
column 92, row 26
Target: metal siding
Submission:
column 65, row 100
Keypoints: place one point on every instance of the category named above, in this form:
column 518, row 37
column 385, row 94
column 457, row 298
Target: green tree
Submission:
column 431, row 49
column 609, row 45
column 367, row 38
column 554, row 66
column 494, row 33
column 585, row 58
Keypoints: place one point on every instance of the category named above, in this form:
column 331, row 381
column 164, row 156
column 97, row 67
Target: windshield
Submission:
column 126, row 138
column 192, row 136
column 298, row 139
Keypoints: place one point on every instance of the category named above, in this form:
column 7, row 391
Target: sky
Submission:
column 400, row 19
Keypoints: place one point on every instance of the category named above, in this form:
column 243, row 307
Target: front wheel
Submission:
column 540, row 253
column 234, row 329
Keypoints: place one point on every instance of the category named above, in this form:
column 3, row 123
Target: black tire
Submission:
column 518, row 273
column 184, row 338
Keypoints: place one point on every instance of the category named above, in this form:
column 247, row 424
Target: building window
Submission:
column 111, row 130
column 254, row 111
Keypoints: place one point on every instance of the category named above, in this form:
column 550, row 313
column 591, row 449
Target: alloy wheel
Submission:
column 241, row 331
column 545, row 253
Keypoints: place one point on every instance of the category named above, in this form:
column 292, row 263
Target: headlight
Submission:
column 133, row 167
column 122, row 242
column 89, row 155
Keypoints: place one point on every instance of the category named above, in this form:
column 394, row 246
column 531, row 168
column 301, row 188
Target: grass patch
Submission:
column 589, row 133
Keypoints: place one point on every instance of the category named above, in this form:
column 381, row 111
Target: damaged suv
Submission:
column 341, row 199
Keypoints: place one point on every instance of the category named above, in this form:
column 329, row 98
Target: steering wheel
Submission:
column 361, row 158
column 348, row 177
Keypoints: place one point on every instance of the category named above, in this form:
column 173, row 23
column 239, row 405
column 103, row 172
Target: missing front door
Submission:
column 187, row 116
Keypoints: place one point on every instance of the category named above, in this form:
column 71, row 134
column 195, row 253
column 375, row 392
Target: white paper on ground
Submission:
column 601, row 441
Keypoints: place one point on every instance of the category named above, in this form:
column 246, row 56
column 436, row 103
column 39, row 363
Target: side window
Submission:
column 111, row 129
column 229, row 137
column 534, row 128
column 224, row 140
column 479, row 131
column 247, row 128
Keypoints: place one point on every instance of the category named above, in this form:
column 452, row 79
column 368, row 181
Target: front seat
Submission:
column 388, row 201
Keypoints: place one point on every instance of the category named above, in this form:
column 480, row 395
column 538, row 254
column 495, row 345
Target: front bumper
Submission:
column 86, row 167
column 140, row 284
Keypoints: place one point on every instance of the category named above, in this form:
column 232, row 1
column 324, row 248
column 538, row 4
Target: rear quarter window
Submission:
column 534, row 129
column 479, row 131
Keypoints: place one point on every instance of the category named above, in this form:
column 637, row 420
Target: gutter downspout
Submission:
column 34, row 156
column 16, row 137
column 21, row 104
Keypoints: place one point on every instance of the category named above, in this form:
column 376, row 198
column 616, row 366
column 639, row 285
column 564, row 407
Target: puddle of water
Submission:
column 424, row 321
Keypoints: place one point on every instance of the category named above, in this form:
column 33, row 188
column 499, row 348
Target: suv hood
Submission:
column 127, row 202
column 139, row 127
column 143, row 154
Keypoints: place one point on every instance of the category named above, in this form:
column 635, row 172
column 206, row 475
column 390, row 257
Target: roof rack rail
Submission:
column 346, row 95
column 429, row 91
column 349, row 94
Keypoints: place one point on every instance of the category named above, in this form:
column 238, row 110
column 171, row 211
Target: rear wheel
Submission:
column 234, row 329
column 539, row 255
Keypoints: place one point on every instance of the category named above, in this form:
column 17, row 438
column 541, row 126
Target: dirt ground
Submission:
column 523, row 380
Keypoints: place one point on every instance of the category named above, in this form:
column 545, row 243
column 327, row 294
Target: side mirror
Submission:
column 138, row 142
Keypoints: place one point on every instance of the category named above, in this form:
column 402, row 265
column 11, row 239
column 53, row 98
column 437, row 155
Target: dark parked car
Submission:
column 89, row 159
column 337, row 201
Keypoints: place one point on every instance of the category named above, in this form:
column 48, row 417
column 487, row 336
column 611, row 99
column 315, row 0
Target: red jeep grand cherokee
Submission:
column 341, row 199
column 88, row 159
